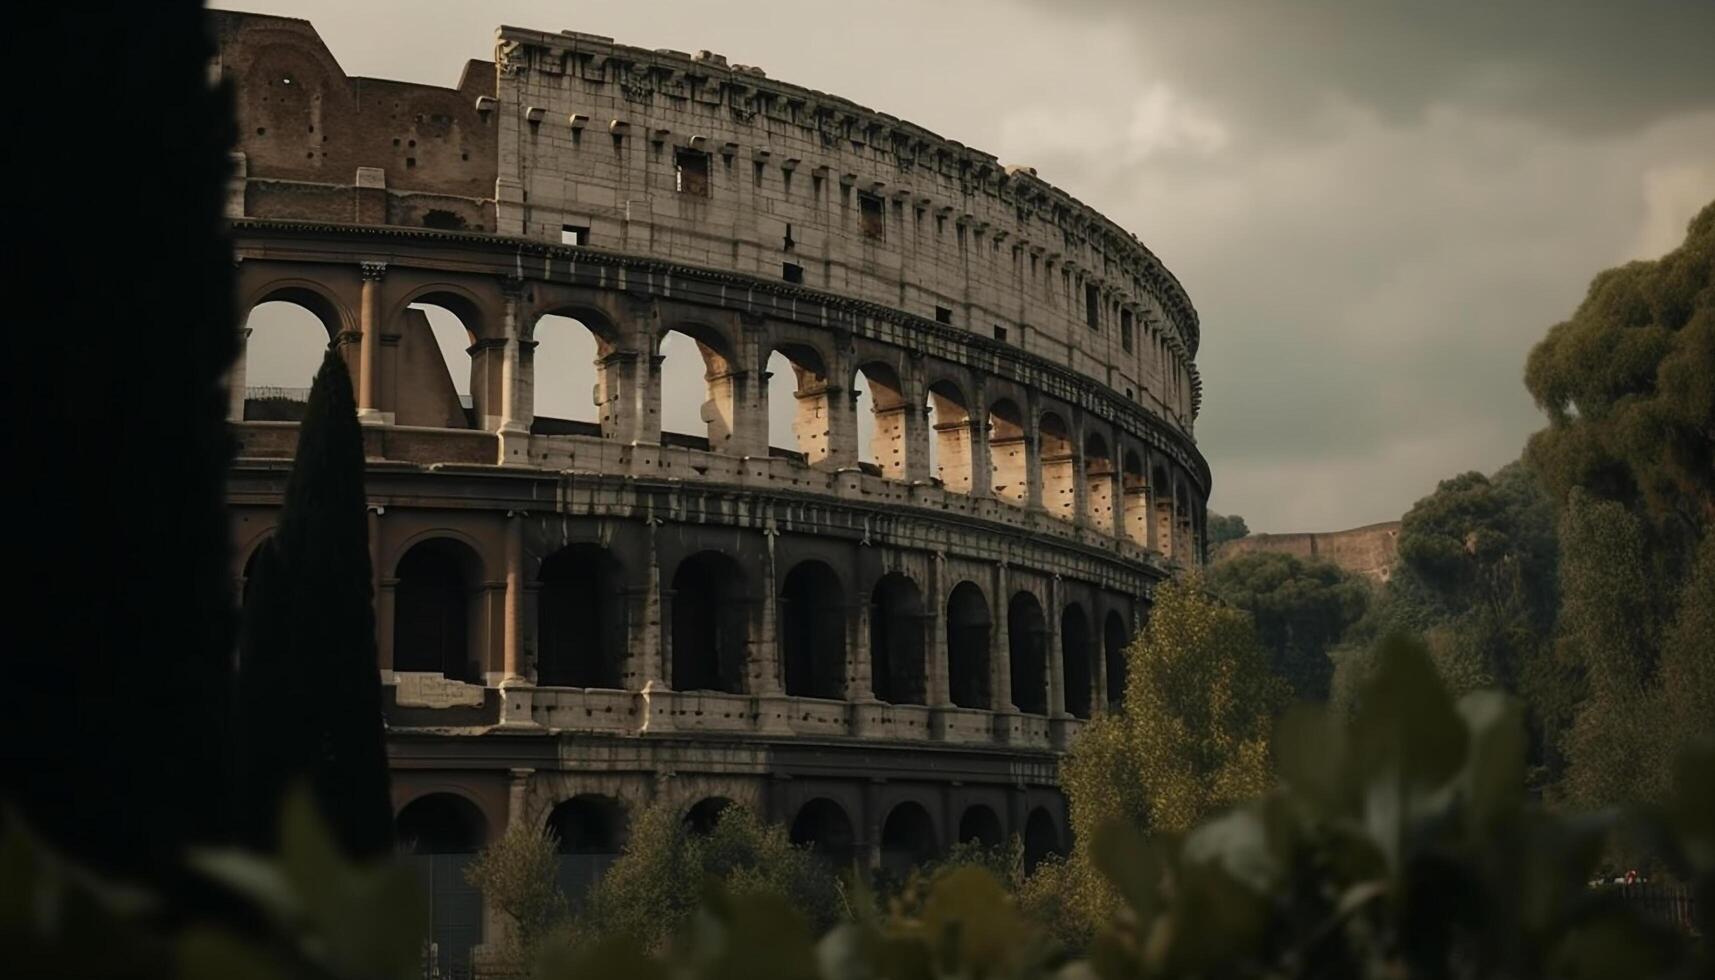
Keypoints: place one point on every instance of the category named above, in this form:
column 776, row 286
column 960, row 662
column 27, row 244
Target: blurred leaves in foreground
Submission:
column 1398, row 842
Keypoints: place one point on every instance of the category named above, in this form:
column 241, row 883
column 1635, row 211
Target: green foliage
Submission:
column 309, row 688
column 1226, row 527
column 657, row 885
column 1301, row 610
column 1193, row 737
column 518, row 875
column 1626, row 385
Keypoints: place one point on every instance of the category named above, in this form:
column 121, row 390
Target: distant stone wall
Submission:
column 1369, row 551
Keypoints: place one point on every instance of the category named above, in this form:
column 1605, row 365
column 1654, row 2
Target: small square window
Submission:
column 872, row 216
column 792, row 272
column 691, row 172
column 1125, row 328
column 999, row 332
column 574, row 235
column 943, row 315
column 1093, row 306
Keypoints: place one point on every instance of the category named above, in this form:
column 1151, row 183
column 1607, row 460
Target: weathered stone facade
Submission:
column 885, row 657
column 1370, row 551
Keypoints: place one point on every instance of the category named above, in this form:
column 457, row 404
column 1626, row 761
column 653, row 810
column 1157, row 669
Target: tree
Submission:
column 1224, row 528
column 519, row 875
column 1193, row 737
column 1301, row 609
column 113, row 729
column 667, row 869
column 1626, row 386
column 309, row 683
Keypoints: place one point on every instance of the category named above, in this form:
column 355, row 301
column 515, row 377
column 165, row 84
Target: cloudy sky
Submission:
column 1377, row 208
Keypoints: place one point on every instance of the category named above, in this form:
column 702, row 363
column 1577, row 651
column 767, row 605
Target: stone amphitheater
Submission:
column 883, row 645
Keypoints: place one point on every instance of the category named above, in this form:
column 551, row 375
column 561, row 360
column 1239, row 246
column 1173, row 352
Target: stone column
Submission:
column 1000, row 643
column 651, row 651
column 236, row 378
column 917, row 434
column 383, row 585
column 369, row 351
column 764, row 651
column 515, row 378
column 512, row 644
column 935, row 625
column 1056, row 659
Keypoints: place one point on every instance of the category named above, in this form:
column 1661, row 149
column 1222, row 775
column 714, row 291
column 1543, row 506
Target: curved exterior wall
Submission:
column 639, row 615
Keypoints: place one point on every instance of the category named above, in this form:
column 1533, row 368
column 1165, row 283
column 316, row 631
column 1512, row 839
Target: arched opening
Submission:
column 1163, row 495
column 813, row 632
column 1114, row 641
column 799, row 422
column 286, row 338
column 952, row 437
column 437, row 599
column 1099, row 484
column 1041, row 838
column 249, row 572
column 566, row 376
column 580, row 619
column 1136, row 506
column 1027, row 636
column 591, row 832
column 1059, row 468
column 1078, row 679
column 884, row 444
column 702, row 817
column 968, row 625
column 439, row 835
column 980, row 825
column 439, row 376
column 711, row 624
column 711, row 423
column 823, row 825
column 907, row 839
column 896, row 625
column 1009, row 452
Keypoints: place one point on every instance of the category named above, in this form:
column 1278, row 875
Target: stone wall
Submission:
column 1370, row 551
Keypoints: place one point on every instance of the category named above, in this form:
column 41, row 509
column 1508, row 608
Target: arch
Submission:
column 440, row 834
column 1009, row 452
column 813, row 632
column 968, row 625
column 896, row 628
column 1041, row 838
column 580, row 619
column 799, row 420
column 255, row 554
column 284, row 342
column 1100, row 501
column 1162, row 496
column 952, row 440
column 703, row 815
column 567, row 366
column 1059, row 464
column 907, row 838
column 440, row 823
column 436, row 601
column 886, row 445
column 1078, row 680
column 1136, row 499
column 309, row 294
column 711, row 624
column 591, row 832
column 979, row 824
column 1114, row 641
column 824, row 827
column 1027, row 639
column 714, row 422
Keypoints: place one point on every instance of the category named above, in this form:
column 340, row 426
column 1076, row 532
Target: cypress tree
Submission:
column 309, row 688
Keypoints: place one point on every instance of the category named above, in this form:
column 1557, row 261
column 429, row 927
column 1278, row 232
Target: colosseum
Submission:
column 878, row 622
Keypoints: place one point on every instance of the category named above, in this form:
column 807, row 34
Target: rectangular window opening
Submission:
column 943, row 315
column 574, row 235
column 792, row 272
column 1125, row 328
column 691, row 172
column 999, row 332
column 872, row 216
column 1093, row 306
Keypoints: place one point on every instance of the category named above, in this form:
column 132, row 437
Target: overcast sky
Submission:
column 1376, row 208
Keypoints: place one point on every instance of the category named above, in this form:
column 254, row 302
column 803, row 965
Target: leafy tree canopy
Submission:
column 1226, row 527
column 1626, row 383
column 1301, row 609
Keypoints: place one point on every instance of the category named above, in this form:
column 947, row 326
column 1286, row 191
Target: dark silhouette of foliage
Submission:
column 1226, row 527
column 1301, row 607
column 113, row 712
column 309, row 687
